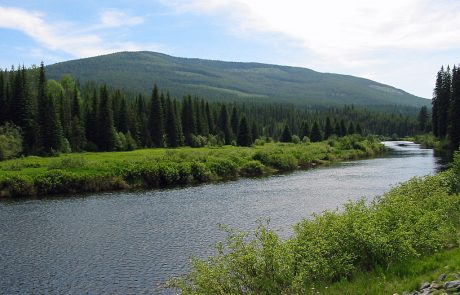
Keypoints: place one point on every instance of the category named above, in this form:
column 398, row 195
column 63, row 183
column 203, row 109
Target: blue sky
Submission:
column 398, row 42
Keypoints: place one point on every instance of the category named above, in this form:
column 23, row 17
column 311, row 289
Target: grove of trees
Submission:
column 64, row 116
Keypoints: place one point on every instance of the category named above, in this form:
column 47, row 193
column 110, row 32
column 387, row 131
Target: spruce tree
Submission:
column 254, row 131
column 106, row 136
column 359, row 130
column 156, row 120
column 91, row 122
column 123, row 117
column 316, row 133
column 77, row 133
column 337, row 129
column 234, row 121
column 224, row 125
column 437, row 93
column 305, row 130
column 454, row 130
column 343, row 128
column 188, row 120
column 351, row 128
column 328, row 130
column 3, row 104
column 244, row 134
column 423, row 119
column 210, row 119
column 286, row 136
column 49, row 127
column 172, row 135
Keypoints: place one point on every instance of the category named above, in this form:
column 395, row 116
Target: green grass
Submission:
column 407, row 276
column 153, row 168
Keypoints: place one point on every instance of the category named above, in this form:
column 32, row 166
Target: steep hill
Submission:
column 137, row 71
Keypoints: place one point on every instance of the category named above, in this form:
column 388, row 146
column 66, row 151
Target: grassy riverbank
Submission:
column 344, row 251
column 155, row 168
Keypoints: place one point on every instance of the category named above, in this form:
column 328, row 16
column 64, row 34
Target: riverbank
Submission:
column 343, row 251
column 156, row 168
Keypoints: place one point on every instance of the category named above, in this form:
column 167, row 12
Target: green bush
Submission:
column 252, row 168
column 419, row 217
column 10, row 141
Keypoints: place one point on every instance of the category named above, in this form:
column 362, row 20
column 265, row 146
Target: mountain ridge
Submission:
column 231, row 80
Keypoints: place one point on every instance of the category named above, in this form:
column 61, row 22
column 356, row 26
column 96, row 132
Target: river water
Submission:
column 129, row 242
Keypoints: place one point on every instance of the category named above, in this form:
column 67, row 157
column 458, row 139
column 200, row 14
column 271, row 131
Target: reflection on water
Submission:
column 122, row 243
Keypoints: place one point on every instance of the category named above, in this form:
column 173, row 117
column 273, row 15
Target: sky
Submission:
column 402, row 43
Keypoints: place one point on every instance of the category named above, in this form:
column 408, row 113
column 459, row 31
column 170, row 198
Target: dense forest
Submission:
column 44, row 117
column 446, row 106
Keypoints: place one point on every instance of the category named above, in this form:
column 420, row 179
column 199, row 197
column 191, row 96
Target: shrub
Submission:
column 295, row 139
column 10, row 141
column 71, row 162
column 252, row 168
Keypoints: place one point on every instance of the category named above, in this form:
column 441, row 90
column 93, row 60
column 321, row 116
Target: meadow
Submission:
column 157, row 168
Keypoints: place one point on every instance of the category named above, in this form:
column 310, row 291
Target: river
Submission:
column 129, row 242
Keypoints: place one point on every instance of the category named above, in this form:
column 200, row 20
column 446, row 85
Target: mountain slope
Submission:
column 137, row 71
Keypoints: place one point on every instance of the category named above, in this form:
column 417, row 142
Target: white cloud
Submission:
column 352, row 35
column 67, row 37
column 116, row 18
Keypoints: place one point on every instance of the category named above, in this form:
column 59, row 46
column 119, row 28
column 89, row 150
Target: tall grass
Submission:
column 155, row 168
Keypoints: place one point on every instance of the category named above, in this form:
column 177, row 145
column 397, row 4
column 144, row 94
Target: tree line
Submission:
column 446, row 106
column 63, row 116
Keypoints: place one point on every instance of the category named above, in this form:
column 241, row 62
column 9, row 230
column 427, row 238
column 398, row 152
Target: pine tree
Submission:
column 351, row 128
column 180, row 133
column 49, row 127
column 328, row 130
column 343, row 128
column 234, row 121
column 286, row 136
column 156, row 120
column 423, row 119
column 3, row 104
column 359, row 130
column 437, row 93
column 77, row 132
column 443, row 103
column 106, row 136
column 210, row 119
column 91, row 121
column 454, row 129
column 337, row 129
column 172, row 135
column 244, row 134
column 254, row 131
column 188, row 120
column 123, row 117
column 224, row 125
column 305, row 130
column 316, row 133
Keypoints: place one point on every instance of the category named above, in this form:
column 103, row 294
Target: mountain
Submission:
column 235, row 81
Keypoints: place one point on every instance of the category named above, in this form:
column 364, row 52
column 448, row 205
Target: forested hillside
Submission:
column 231, row 81
column 41, row 116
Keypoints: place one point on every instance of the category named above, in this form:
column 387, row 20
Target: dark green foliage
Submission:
column 286, row 136
column 156, row 119
column 315, row 135
column 188, row 120
column 49, row 126
column 230, row 81
column 254, row 131
column 359, row 130
column 244, row 137
column 3, row 102
column 343, row 128
column 10, row 141
column 305, row 130
column 224, row 125
column 106, row 130
column 328, row 130
column 351, row 128
column 234, row 121
column 454, row 130
column 423, row 119
column 172, row 126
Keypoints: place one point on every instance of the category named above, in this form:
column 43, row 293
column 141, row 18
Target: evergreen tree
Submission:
column 244, row 134
column 234, row 121
column 123, row 117
column 172, row 134
column 351, row 128
column 305, row 130
column 188, row 120
column 91, row 119
column 316, row 133
column 423, row 119
column 286, row 136
column 3, row 104
column 437, row 93
column 337, row 129
column 328, row 130
column 454, row 129
column 254, row 131
column 443, row 103
column 106, row 136
column 343, row 128
column 180, row 134
column 210, row 119
column 77, row 133
column 49, row 128
column 156, row 120
column 224, row 125
column 359, row 130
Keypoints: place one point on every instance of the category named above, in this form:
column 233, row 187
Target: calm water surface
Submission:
column 128, row 243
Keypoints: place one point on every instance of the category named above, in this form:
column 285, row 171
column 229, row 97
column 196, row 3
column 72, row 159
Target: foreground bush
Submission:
column 10, row 141
column 420, row 217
